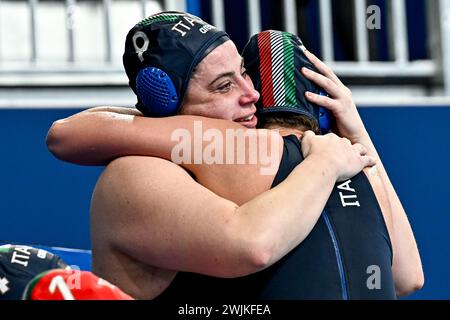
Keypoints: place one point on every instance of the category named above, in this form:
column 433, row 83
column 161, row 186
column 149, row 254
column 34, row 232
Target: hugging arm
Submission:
column 407, row 266
column 177, row 224
column 99, row 135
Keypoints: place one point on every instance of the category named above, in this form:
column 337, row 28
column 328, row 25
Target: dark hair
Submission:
column 289, row 120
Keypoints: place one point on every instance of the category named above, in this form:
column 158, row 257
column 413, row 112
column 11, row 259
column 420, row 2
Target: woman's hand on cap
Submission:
column 339, row 102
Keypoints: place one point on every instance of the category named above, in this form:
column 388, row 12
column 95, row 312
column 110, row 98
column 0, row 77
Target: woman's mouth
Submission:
column 246, row 118
column 250, row 121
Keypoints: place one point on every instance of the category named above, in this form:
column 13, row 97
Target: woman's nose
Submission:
column 250, row 95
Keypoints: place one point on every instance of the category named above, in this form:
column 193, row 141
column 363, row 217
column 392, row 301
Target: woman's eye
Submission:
column 225, row 87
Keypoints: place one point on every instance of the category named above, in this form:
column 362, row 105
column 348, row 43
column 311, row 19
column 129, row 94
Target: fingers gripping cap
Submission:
column 274, row 60
column 161, row 53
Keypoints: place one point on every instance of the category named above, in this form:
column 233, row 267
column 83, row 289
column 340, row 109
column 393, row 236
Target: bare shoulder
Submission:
column 147, row 180
column 136, row 184
column 128, row 167
column 160, row 215
column 248, row 168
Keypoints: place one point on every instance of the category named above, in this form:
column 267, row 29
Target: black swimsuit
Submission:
column 347, row 255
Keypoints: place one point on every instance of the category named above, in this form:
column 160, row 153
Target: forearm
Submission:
column 407, row 265
column 99, row 135
column 292, row 209
column 81, row 139
column 92, row 137
column 210, row 235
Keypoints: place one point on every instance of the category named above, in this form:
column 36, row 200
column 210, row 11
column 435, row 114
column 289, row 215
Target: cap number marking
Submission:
column 140, row 50
column 4, row 285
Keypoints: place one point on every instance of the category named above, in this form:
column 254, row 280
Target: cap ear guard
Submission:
column 324, row 121
column 325, row 117
column 157, row 93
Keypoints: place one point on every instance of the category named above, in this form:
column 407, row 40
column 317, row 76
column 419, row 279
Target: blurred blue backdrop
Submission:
column 45, row 201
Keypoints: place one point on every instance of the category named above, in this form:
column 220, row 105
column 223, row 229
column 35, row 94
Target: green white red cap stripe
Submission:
column 159, row 17
column 278, row 86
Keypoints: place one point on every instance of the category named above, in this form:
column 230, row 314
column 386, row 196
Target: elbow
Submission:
column 243, row 258
column 53, row 140
column 420, row 282
column 249, row 262
column 414, row 284
column 258, row 255
column 248, row 249
column 259, row 259
column 58, row 143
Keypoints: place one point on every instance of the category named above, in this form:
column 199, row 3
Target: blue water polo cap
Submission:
column 161, row 53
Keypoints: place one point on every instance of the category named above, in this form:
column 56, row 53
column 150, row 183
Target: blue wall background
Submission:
column 45, row 201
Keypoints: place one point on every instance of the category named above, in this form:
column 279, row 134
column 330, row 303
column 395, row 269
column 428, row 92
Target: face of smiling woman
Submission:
column 221, row 89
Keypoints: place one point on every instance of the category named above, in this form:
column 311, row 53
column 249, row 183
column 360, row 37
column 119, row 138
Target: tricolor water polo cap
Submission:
column 274, row 60
column 161, row 53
